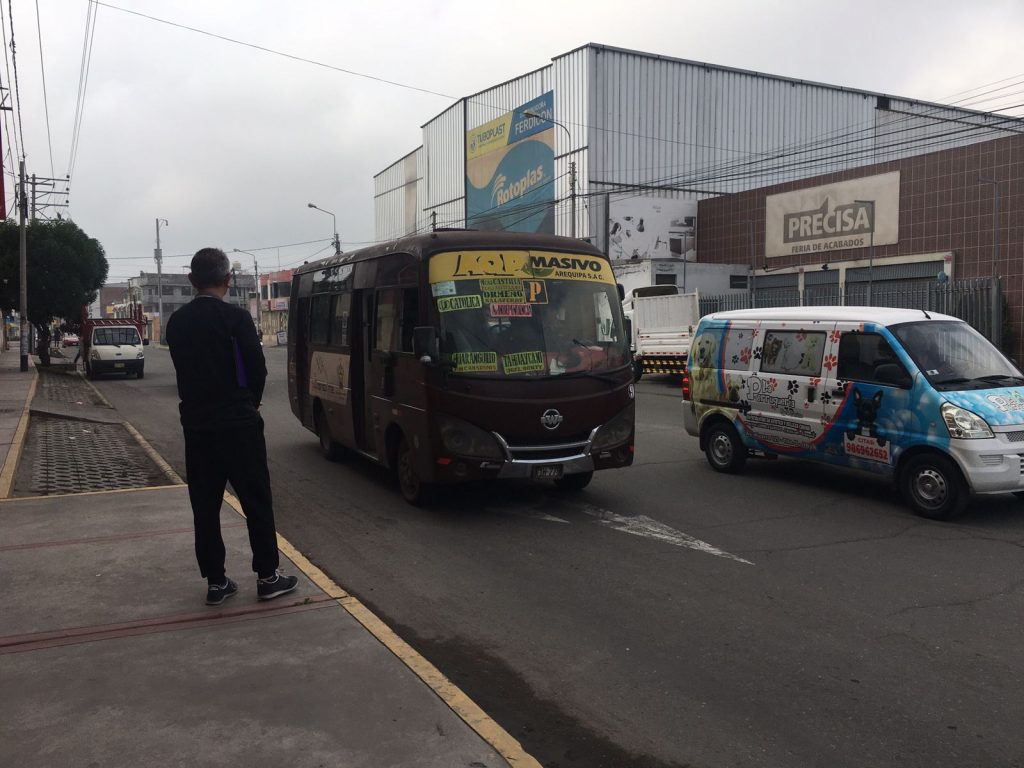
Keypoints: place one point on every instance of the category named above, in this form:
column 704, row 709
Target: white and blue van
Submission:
column 920, row 396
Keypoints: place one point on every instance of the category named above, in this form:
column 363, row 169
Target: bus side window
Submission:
column 320, row 319
column 384, row 323
column 410, row 317
column 342, row 310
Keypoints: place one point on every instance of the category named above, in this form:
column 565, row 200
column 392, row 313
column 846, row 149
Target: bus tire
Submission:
column 723, row 448
column 413, row 489
column 933, row 486
column 328, row 447
column 574, row 482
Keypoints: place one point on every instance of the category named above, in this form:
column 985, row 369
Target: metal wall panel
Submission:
column 444, row 165
column 396, row 198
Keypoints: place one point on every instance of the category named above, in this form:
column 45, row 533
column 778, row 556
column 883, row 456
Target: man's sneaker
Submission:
column 218, row 593
column 275, row 586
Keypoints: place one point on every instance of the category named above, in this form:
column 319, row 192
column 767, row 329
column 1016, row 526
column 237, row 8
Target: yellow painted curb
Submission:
column 485, row 727
column 14, row 454
column 155, row 457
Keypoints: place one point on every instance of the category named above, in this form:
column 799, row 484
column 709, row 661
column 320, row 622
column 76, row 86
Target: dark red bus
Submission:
column 460, row 355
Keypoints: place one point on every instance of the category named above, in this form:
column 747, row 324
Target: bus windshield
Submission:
column 518, row 313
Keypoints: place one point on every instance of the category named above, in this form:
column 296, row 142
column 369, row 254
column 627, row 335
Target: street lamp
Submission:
column 337, row 243
column 572, row 168
column 259, row 295
column 159, row 256
column 871, row 253
column 995, row 224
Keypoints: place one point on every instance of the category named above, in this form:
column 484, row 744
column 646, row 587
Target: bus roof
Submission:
column 424, row 245
column 880, row 315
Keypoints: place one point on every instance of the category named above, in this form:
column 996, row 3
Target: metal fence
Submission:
column 977, row 302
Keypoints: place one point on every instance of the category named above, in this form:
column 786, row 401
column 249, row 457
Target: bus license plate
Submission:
column 549, row 472
column 119, row 365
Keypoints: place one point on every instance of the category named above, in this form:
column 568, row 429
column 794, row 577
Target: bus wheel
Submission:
column 723, row 448
column 330, row 449
column 414, row 490
column 575, row 482
column 933, row 486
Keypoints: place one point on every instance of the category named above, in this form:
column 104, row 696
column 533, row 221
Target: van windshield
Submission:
column 112, row 336
column 953, row 356
column 523, row 320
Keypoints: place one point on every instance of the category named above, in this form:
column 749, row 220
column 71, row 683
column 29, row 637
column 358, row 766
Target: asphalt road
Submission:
column 667, row 615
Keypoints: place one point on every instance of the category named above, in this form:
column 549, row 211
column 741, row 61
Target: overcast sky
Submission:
column 229, row 143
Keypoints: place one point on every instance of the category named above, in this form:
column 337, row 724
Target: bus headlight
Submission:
column 615, row 431
column 963, row 424
column 464, row 439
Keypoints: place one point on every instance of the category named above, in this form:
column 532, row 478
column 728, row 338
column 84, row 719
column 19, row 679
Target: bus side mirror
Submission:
column 424, row 343
column 622, row 291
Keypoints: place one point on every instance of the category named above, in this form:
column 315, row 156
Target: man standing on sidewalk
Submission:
column 221, row 373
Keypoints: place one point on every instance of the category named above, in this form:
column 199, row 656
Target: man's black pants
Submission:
column 238, row 455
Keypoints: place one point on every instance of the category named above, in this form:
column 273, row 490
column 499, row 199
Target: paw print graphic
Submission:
column 743, row 406
column 735, row 359
column 757, row 353
column 834, row 336
column 792, row 386
column 801, row 335
column 826, row 398
column 815, row 381
column 773, row 383
column 754, row 333
column 745, row 355
column 830, row 362
column 843, row 385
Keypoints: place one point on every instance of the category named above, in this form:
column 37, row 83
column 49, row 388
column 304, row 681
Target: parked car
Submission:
column 69, row 340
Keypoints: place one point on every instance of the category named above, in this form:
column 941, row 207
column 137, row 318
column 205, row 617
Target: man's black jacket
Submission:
column 219, row 363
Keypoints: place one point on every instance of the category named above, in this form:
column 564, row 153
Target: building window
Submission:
column 665, row 279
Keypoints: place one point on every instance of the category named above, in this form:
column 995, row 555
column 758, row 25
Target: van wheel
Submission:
column 574, row 482
column 723, row 448
column 414, row 490
column 932, row 484
column 330, row 449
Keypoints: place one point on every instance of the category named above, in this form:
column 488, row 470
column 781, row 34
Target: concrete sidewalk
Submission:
column 109, row 657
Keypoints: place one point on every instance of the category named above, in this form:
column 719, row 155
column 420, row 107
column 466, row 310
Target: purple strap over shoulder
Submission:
column 243, row 380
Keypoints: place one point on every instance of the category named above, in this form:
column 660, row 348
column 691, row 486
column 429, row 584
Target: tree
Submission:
column 66, row 269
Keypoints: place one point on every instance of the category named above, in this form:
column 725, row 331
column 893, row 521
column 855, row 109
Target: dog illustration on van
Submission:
column 918, row 396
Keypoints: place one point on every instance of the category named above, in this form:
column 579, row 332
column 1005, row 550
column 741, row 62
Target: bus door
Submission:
column 298, row 375
column 357, row 362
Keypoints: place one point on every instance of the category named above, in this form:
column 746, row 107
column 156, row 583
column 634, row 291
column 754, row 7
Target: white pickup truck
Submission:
column 663, row 322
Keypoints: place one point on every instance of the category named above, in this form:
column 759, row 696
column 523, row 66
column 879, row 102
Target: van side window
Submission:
column 793, row 353
column 738, row 343
column 861, row 354
column 320, row 319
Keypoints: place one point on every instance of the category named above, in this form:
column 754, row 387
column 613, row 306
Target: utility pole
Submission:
column 572, row 197
column 259, row 295
column 159, row 256
column 23, row 268
column 33, row 214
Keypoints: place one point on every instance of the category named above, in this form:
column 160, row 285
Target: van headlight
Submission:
column 616, row 431
column 139, row 355
column 963, row 424
column 464, row 439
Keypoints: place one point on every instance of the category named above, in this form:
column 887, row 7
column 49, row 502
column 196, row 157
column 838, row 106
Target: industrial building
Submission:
column 618, row 146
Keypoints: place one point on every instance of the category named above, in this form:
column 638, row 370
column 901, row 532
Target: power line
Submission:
column 17, row 90
column 12, row 130
column 276, row 53
column 46, row 103
column 83, row 84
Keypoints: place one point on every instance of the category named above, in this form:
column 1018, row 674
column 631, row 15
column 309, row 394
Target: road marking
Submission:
column 548, row 518
column 649, row 528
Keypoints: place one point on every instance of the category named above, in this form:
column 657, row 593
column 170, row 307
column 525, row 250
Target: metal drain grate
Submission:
column 76, row 456
column 68, row 388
